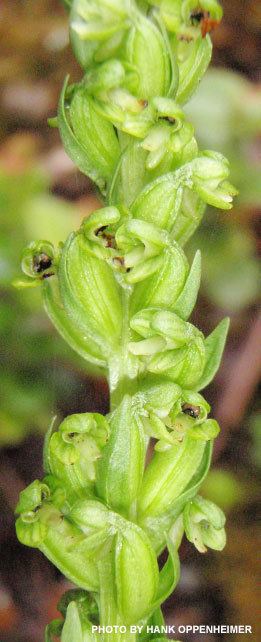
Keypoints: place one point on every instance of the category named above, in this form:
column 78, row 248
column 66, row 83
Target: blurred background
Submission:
column 43, row 196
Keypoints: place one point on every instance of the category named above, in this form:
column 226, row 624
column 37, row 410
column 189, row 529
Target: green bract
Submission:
column 120, row 290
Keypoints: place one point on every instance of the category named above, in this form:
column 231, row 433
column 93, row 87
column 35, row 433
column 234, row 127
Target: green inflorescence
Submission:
column 120, row 291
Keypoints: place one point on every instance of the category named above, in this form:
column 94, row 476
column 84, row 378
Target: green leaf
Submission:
column 214, row 345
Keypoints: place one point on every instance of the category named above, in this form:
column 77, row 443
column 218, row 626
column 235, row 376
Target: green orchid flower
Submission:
column 120, row 291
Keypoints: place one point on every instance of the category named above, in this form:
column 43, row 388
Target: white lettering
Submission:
column 189, row 628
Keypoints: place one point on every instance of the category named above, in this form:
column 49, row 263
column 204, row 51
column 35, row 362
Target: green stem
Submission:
column 109, row 615
column 122, row 369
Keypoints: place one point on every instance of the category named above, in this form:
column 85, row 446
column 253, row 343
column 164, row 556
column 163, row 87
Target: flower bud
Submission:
column 204, row 524
column 209, row 173
column 92, row 25
column 176, row 348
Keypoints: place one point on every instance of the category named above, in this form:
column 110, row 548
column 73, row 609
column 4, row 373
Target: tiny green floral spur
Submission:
column 120, row 291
